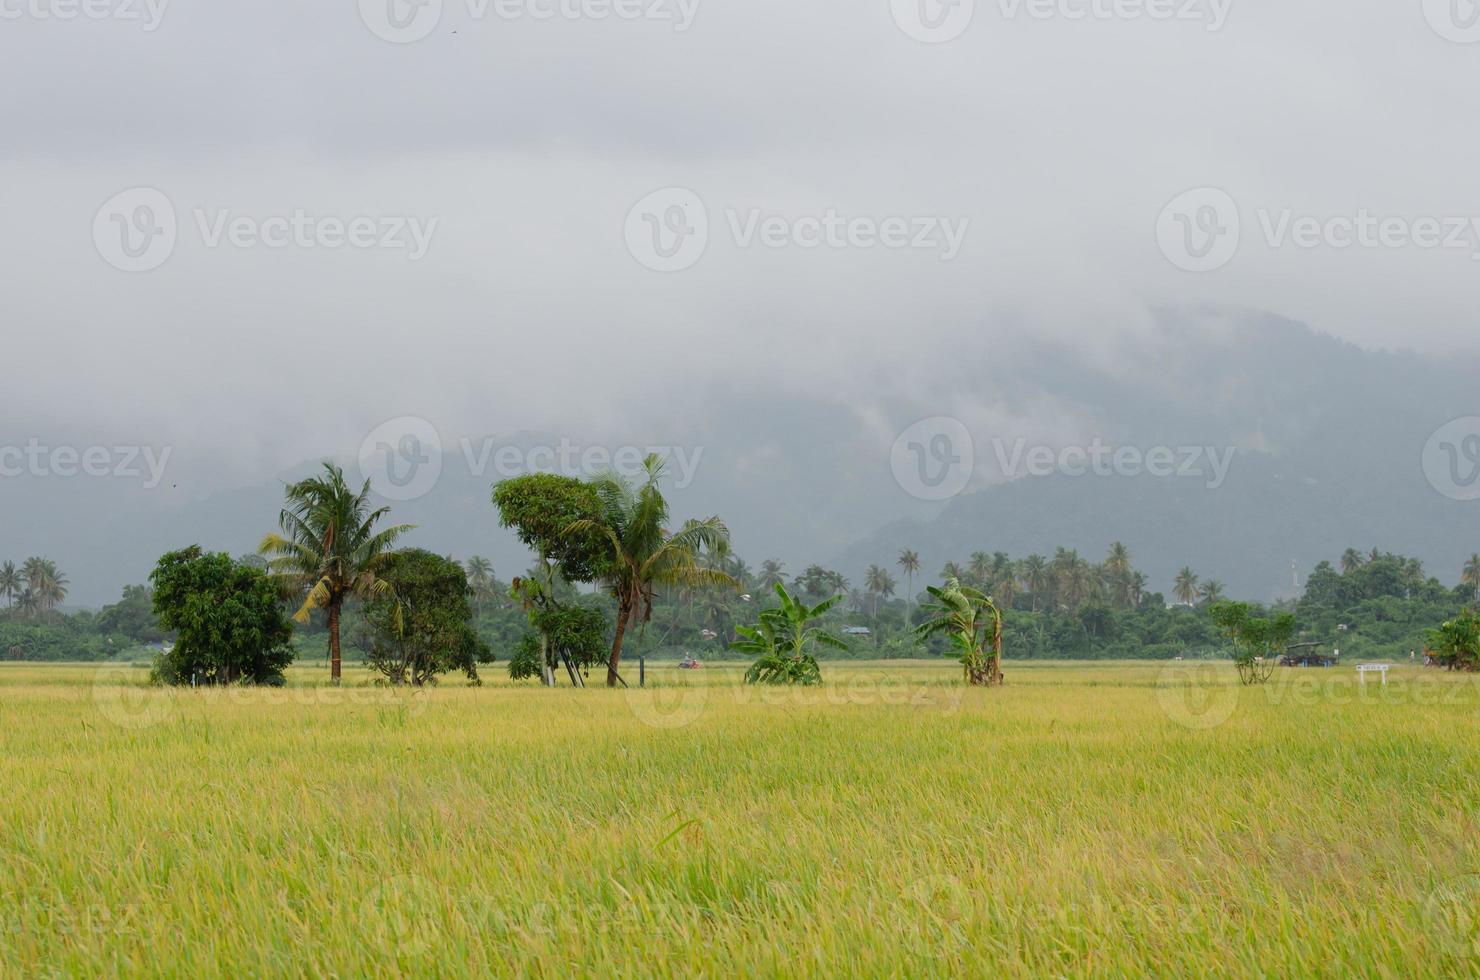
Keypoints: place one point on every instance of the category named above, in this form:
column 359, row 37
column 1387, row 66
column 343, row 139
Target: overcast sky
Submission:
column 1034, row 160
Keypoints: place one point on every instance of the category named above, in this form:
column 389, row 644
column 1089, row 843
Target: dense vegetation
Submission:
column 609, row 572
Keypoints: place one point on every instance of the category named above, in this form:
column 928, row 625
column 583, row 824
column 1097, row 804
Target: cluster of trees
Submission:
column 34, row 590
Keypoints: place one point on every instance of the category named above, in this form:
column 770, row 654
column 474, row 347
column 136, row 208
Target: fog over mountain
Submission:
column 776, row 234
column 1306, row 446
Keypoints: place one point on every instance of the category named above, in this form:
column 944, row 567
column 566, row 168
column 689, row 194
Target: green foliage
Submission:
column 131, row 617
column 784, row 639
column 1456, row 644
column 973, row 626
column 642, row 554
column 541, row 507
column 421, row 626
column 577, row 634
column 227, row 618
column 1257, row 642
column 329, row 549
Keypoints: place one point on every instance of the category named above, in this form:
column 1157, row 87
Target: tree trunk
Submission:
column 624, row 612
column 547, row 673
column 334, row 605
column 995, row 678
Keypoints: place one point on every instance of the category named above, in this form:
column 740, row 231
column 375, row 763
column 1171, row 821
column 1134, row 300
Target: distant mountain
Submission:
column 1329, row 440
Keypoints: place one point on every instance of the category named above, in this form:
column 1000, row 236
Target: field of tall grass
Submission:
column 1082, row 821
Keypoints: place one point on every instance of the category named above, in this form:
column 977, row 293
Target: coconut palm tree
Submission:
column 1470, row 576
column 979, row 567
column 879, row 584
column 643, row 554
column 953, row 570
column 909, row 563
column 1351, row 560
column 1185, row 587
column 329, row 549
column 1211, row 592
column 11, row 583
column 773, row 573
column 1033, row 572
column 480, row 578
column 51, row 589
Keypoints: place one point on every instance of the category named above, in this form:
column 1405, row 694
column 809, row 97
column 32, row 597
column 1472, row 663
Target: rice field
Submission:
column 1085, row 820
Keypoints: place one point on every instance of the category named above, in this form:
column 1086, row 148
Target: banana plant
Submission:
column 784, row 639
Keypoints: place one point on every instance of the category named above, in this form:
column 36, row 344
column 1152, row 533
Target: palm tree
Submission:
column 1211, row 591
column 1470, row 576
column 1003, row 579
column 52, row 587
column 329, row 549
column 32, row 569
column 952, row 571
column 972, row 621
column 979, row 567
column 1185, row 587
column 29, row 604
column 1120, row 576
column 643, row 554
column 1034, row 573
column 773, row 573
column 480, row 577
column 1351, row 560
column 909, row 563
column 11, row 583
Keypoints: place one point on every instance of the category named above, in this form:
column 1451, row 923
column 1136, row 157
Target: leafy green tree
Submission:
column 422, row 624
column 227, row 618
column 642, row 554
column 329, row 549
column 1456, row 644
column 132, row 616
column 1258, row 643
column 576, row 635
column 784, row 639
column 540, row 508
column 972, row 622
